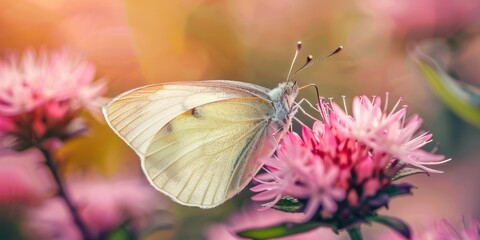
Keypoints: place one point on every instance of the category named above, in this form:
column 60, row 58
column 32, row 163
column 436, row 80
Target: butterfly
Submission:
column 201, row 142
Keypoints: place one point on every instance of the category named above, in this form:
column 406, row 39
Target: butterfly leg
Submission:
column 309, row 104
column 298, row 105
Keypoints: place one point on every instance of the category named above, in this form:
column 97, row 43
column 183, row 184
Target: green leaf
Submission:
column 407, row 171
column 280, row 230
column 399, row 189
column 289, row 204
column 354, row 233
column 394, row 223
column 121, row 233
column 460, row 98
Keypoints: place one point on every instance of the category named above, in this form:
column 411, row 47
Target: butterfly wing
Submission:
column 199, row 142
column 136, row 114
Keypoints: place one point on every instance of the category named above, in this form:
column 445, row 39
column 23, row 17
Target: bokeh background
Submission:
column 133, row 43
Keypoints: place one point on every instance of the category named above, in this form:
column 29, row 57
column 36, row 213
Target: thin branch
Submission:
column 63, row 194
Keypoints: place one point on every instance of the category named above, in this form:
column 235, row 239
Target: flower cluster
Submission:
column 342, row 170
column 41, row 95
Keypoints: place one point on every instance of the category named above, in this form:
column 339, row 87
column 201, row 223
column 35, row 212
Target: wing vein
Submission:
column 138, row 117
column 254, row 128
column 210, row 117
column 117, row 106
column 189, row 178
column 125, row 111
column 183, row 155
column 209, row 164
column 237, row 166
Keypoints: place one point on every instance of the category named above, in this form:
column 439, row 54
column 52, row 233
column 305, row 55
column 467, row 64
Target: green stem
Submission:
column 278, row 231
column 63, row 194
column 354, row 233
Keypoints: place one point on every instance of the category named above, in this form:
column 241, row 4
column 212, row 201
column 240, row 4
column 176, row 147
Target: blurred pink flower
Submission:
column 24, row 178
column 36, row 79
column 443, row 230
column 102, row 204
column 387, row 131
column 427, row 17
column 249, row 218
column 341, row 170
column 41, row 95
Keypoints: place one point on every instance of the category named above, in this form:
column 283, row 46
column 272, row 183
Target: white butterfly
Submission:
column 201, row 142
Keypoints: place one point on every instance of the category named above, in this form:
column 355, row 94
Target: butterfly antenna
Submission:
column 309, row 62
column 311, row 85
column 299, row 46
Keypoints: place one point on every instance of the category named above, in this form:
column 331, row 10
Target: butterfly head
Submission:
column 283, row 99
column 289, row 93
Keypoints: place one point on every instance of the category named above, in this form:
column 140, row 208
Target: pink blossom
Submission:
column 285, row 172
column 387, row 131
column 37, row 79
column 345, row 160
column 298, row 173
column 323, row 189
column 41, row 95
column 24, row 178
column 102, row 204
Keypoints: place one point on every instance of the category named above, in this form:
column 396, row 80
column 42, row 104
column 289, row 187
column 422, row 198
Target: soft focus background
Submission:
column 133, row 43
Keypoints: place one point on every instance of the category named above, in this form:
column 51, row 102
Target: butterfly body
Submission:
column 201, row 142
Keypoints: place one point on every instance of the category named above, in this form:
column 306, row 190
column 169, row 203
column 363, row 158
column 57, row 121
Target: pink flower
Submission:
column 37, row 79
column 102, row 204
column 387, row 132
column 298, row 173
column 41, row 95
column 323, row 188
column 24, row 178
column 341, row 170
column 274, row 184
